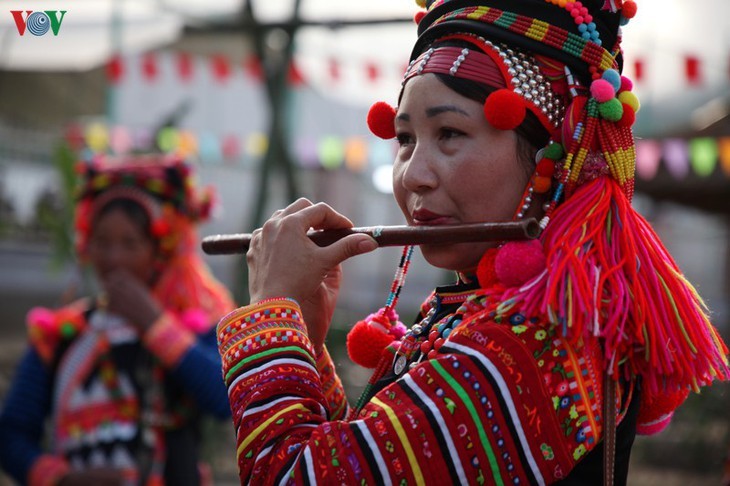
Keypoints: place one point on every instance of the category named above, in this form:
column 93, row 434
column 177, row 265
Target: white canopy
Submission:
column 90, row 33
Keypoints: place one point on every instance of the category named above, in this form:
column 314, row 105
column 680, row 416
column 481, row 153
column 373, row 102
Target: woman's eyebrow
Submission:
column 434, row 111
column 437, row 110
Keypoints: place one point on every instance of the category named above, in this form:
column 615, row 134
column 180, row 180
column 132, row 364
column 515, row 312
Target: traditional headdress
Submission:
column 605, row 272
column 164, row 186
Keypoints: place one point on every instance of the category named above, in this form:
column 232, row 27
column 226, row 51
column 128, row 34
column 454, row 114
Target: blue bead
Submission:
column 446, row 333
column 586, row 35
column 582, row 28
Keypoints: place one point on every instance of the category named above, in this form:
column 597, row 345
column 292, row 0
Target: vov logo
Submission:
column 38, row 23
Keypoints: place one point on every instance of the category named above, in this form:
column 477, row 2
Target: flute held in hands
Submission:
column 394, row 235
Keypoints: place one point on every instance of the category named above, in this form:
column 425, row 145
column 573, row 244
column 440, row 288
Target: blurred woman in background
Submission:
column 123, row 377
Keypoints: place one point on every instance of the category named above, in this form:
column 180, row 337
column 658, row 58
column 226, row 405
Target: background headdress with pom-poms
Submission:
column 165, row 187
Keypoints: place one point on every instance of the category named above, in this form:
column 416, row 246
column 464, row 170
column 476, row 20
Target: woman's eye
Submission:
column 449, row 133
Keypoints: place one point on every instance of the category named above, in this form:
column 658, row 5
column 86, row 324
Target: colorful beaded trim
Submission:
column 586, row 50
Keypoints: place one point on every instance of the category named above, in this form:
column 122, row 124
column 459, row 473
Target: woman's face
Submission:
column 119, row 242
column 453, row 167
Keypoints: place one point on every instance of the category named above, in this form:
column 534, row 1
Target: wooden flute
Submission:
column 394, row 235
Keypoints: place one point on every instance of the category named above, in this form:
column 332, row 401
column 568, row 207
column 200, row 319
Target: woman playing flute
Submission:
column 545, row 358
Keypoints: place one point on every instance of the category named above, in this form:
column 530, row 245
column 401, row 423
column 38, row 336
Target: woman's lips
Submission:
column 423, row 217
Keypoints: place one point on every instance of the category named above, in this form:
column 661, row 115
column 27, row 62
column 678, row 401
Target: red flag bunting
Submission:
column 149, row 66
column 692, row 70
column 252, row 65
column 638, row 70
column 115, row 70
column 184, row 66
column 295, row 76
column 334, row 69
column 373, row 71
column 221, row 68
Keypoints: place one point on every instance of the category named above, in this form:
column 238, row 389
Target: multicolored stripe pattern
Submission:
column 502, row 403
column 537, row 30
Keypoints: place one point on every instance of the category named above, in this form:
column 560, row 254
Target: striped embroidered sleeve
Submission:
column 332, row 388
column 464, row 417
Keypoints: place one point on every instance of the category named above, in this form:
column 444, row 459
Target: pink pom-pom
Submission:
column 381, row 120
column 504, row 109
column 398, row 330
column 602, row 90
column 195, row 320
column 519, row 261
column 41, row 317
column 626, row 84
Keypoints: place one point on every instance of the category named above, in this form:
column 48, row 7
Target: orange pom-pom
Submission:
column 504, row 109
column 418, row 16
column 367, row 339
column 541, row 184
column 381, row 120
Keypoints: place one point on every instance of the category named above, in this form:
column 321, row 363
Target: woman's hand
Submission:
column 130, row 298
column 284, row 262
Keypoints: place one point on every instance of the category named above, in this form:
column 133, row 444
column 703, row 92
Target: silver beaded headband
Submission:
column 499, row 67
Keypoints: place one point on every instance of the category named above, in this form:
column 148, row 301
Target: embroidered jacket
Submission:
column 503, row 400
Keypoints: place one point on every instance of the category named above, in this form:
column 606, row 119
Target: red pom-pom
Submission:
column 161, row 228
column 504, row 109
column 628, row 9
column 628, row 117
column 419, row 16
column 519, row 261
column 656, row 410
column 367, row 339
column 485, row 270
column 381, row 120
column 545, row 168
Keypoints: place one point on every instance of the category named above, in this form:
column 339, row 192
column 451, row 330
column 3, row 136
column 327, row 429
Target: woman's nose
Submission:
column 114, row 255
column 418, row 173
